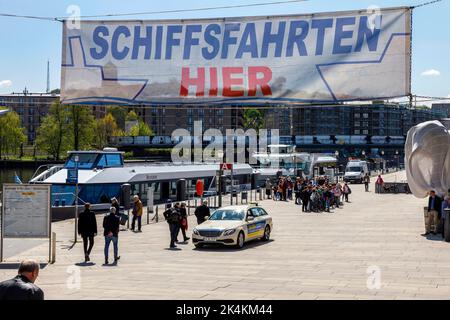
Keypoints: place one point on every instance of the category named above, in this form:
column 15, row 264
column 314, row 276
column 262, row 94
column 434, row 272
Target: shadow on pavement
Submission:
column 15, row 265
column 223, row 248
column 432, row 237
column 85, row 264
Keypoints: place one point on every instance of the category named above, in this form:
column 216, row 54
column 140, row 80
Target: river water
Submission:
column 7, row 175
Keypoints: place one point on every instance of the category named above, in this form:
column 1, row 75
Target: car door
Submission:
column 264, row 217
column 255, row 228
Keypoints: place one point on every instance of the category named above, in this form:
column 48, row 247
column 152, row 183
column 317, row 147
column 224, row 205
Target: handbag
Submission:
column 123, row 219
column 184, row 223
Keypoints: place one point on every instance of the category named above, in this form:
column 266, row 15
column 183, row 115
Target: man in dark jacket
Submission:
column 202, row 212
column 433, row 214
column 173, row 218
column 87, row 228
column 22, row 287
column 111, row 224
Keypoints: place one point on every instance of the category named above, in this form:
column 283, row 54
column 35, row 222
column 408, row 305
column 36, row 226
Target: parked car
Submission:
column 234, row 226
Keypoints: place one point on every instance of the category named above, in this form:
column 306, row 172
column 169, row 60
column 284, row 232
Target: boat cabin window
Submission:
column 114, row 160
column 85, row 161
column 110, row 160
column 94, row 160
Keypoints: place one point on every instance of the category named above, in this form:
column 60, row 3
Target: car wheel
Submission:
column 266, row 236
column 240, row 240
column 198, row 246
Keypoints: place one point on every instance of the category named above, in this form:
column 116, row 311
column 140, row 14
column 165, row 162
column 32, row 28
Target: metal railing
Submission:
column 155, row 212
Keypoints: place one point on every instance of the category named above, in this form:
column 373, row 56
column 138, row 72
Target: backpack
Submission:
column 349, row 190
column 174, row 216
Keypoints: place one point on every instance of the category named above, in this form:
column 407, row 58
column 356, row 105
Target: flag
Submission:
column 17, row 179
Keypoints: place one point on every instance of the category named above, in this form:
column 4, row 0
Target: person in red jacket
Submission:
column 379, row 184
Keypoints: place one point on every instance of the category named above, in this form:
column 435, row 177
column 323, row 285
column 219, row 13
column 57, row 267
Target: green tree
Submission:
column 141, row 129
column 132, row 116
column 81, row 124
column 104, row 129
column 253, row 119
column 120, row 114
column 53, row 136
column 12, row 134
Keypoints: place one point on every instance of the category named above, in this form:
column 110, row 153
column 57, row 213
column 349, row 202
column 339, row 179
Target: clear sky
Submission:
column 27, row 44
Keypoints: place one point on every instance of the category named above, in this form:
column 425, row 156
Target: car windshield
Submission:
column 354, row 169
column 227, row 215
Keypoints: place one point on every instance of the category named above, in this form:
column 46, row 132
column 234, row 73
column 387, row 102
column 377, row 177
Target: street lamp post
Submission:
column 336, row 153
column 382, row 160
column 398, row 160
column 76, row 158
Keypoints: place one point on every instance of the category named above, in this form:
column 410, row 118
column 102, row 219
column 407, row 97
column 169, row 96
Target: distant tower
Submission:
column 48, row 77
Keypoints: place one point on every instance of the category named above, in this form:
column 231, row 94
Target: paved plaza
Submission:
column 310, row 256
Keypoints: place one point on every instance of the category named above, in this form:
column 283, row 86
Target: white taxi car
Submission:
column 234, row 226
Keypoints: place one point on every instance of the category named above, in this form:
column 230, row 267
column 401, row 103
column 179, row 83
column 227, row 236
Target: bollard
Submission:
column 128, row 220
column 53, row 250
column 156, row 214
column 189, row 207
column 148, row 215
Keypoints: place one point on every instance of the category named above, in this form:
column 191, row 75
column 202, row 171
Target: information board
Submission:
column 26, row 211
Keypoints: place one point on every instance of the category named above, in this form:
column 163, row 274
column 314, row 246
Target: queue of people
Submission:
column 314, row 195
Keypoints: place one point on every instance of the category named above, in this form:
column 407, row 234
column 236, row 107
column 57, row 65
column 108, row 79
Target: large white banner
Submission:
column 325, row 57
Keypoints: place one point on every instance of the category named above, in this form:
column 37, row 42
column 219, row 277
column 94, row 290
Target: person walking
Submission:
column 202, row 212
column 137, row 213
column 445, row 205
column 366, row 182
column 173, row 218
column 379, row 184
column 346, row 191
column 111, row 224
column 184, row 221
column 22, row 286
column 298, row 192
column 337, row 195
column 87, row 229
column 433, row 213
column 268, row 189
column 305, row 199
column 289, row 187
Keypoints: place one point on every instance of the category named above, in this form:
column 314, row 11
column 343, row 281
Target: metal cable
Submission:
column 60, row 19
column 426, row 4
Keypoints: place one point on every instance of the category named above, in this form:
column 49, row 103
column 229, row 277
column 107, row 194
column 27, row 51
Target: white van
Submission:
column 355, row 171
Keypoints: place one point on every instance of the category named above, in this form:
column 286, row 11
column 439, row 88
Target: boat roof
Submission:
column 96, row 151
column 142, row 173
